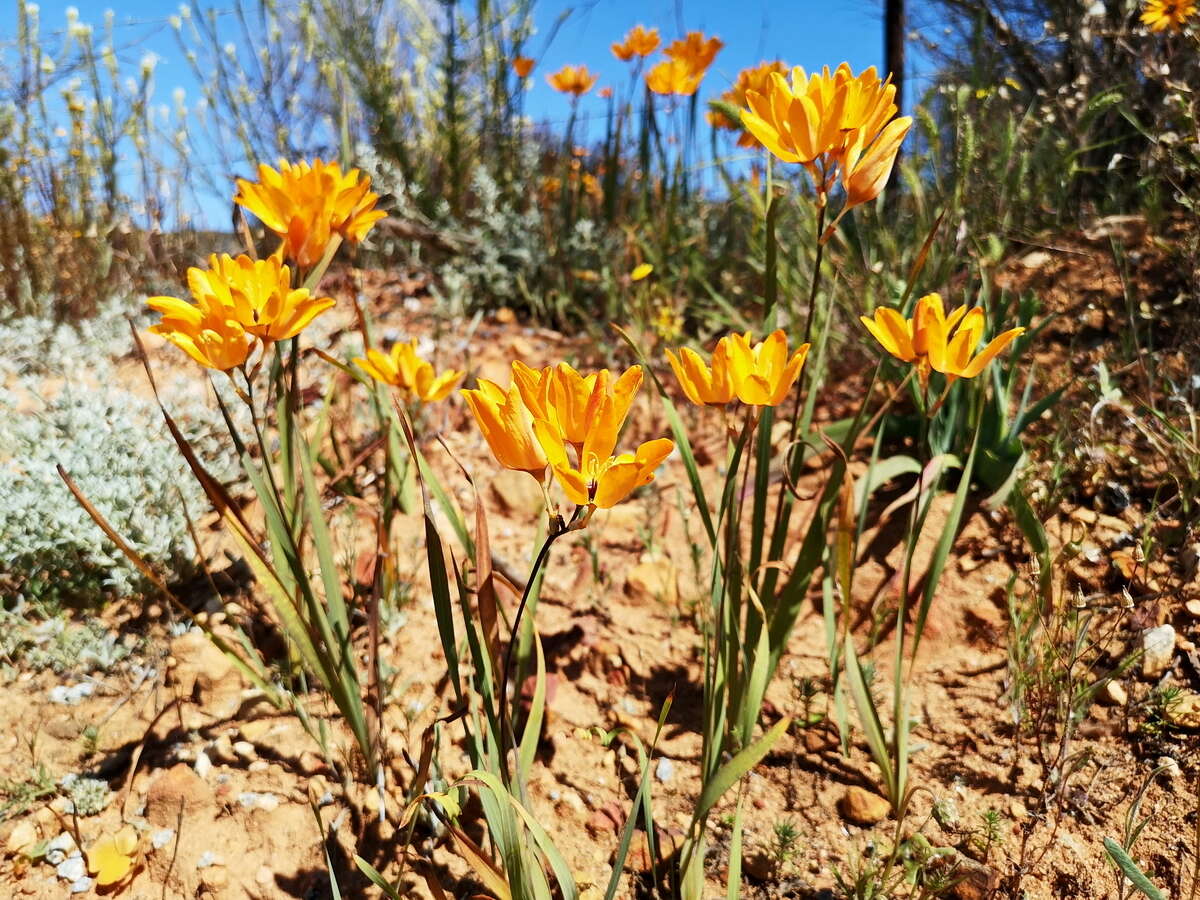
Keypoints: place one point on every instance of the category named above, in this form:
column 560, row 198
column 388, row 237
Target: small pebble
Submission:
column 665, row 770
column 161, row 838
column 72, row 868
column 80, row 885
column 1169, row 766
column 73, row 695
column 245, row 750
column 208, row 858
column 253, row 800
column 202, row 765
column 57, row 849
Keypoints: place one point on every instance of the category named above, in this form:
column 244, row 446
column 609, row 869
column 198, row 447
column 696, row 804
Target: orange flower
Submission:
column 696, row 50
column 506, row 425
column 638, row 42
column 755, row 79
column 1167, row 15
column 674, row 77
column 571, row 401
column 402, row 368
column 573, row 80
column 604, row 93
column 601, row 480
column 307, row 203
column 702, row 384
column 209, row 337
column 764, row 372
column 522, row 65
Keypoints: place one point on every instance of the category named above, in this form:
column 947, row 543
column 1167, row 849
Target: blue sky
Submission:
column 810, row 33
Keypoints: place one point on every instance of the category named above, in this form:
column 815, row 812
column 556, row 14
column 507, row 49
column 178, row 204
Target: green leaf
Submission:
column 558, row 865
column 1135, row 875
column 730, row 773
column 869, row 717
column 376, row 877
column 945, row 544
column 537, row 709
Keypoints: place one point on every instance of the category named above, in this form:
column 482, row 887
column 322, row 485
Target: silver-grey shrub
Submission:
column 63, row 404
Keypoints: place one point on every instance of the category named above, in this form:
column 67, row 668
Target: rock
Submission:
column 22, row 838
column 1113, row 694
column 664, row 771
column 1035, row 260
column 975, row 881
column 759, row 865
column 310, row 764
column 255, row 731
column 1193, row 608
column 203, row 765
column 1170, row 767
column 214, row 877
column 277, row 738
column 267, row 802
column 520, row 347
column 177, row 792
column 518, row 494
column 1184, row 712
column 862, row 807
column 1189, row 559
column 72, row 868
column 245, row 750
column 222, row 749
column 205, row 674
column 653, row 580
column 1158, row 649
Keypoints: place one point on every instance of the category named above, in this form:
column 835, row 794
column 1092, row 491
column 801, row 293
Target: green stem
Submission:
column 557, row 529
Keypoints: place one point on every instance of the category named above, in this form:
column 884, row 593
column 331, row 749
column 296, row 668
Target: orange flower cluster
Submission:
column 241, row 302
column 557, row 420
column 757, row 374
column 402, row 368
column 935, row 342
column 755, row 78
column 831, row 123
column 687, row 62
column 238, row 302
column 307, row 204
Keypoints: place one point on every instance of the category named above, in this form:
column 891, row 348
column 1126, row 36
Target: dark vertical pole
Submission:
column 893, row 64
column 893, row 46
